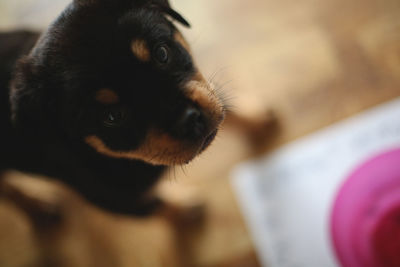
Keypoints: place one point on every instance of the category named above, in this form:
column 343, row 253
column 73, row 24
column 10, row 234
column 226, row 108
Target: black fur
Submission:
column 52, row 108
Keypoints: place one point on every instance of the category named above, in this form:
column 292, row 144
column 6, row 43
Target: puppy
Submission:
column 106, row 100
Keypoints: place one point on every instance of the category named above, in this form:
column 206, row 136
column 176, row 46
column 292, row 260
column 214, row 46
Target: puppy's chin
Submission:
column 157, row 149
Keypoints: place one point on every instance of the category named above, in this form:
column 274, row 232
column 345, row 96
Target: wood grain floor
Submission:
column 313, row 62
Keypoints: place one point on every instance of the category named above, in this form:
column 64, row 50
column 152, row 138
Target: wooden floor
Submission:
column 313, row 62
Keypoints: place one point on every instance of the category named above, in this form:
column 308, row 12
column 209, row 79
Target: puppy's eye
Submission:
column 161, row 54
column 114, row 117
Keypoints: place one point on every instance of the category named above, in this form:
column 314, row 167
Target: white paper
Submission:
column 286, row 197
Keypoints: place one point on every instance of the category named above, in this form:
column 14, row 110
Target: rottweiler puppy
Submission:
column 105, row 100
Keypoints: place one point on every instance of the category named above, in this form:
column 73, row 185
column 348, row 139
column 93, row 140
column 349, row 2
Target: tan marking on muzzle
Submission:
column 140, row 50
column 107, row 97
column 203, row 93
column 157, row 149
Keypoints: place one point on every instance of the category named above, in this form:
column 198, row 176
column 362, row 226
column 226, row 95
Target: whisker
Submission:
column 169, row 170
column 183, row 170
column 174, row 168
column 215, row 73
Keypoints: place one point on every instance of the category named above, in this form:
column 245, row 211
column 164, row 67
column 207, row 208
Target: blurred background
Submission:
column 311, row 62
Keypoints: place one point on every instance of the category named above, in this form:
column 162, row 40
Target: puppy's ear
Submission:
column 165, row 7
column 27, row 97
column 85, row 2
column 162, row 5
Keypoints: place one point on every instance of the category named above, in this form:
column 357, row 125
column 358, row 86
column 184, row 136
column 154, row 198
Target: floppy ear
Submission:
column 162, row 5
column 27, row 96
column 165, row 7
column 85, row 2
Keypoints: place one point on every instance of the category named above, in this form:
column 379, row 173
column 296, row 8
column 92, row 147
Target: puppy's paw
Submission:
column 261, row 127
column 186, row 214
column 183, row 205
column 193, row 212
column 258, row 126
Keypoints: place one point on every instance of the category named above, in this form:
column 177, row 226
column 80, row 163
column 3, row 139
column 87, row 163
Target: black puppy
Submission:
column 106, row 99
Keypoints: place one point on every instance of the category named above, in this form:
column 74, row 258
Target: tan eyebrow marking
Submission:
column 140, row 49
column 107, row 96
column 180, row 39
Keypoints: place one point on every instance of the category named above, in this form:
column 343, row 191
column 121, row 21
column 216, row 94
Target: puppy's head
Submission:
column 119, row 76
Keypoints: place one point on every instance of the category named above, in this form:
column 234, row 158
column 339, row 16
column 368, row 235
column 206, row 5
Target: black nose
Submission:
column 192, row 124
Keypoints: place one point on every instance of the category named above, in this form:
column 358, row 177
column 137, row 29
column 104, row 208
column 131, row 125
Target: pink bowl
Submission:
column 365, row 222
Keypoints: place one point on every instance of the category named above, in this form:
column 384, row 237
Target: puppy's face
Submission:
column 120, row 77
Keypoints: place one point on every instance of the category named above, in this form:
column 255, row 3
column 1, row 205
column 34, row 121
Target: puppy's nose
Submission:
column 192, row 123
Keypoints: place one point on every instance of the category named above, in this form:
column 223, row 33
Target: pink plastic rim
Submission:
column 367, row 204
